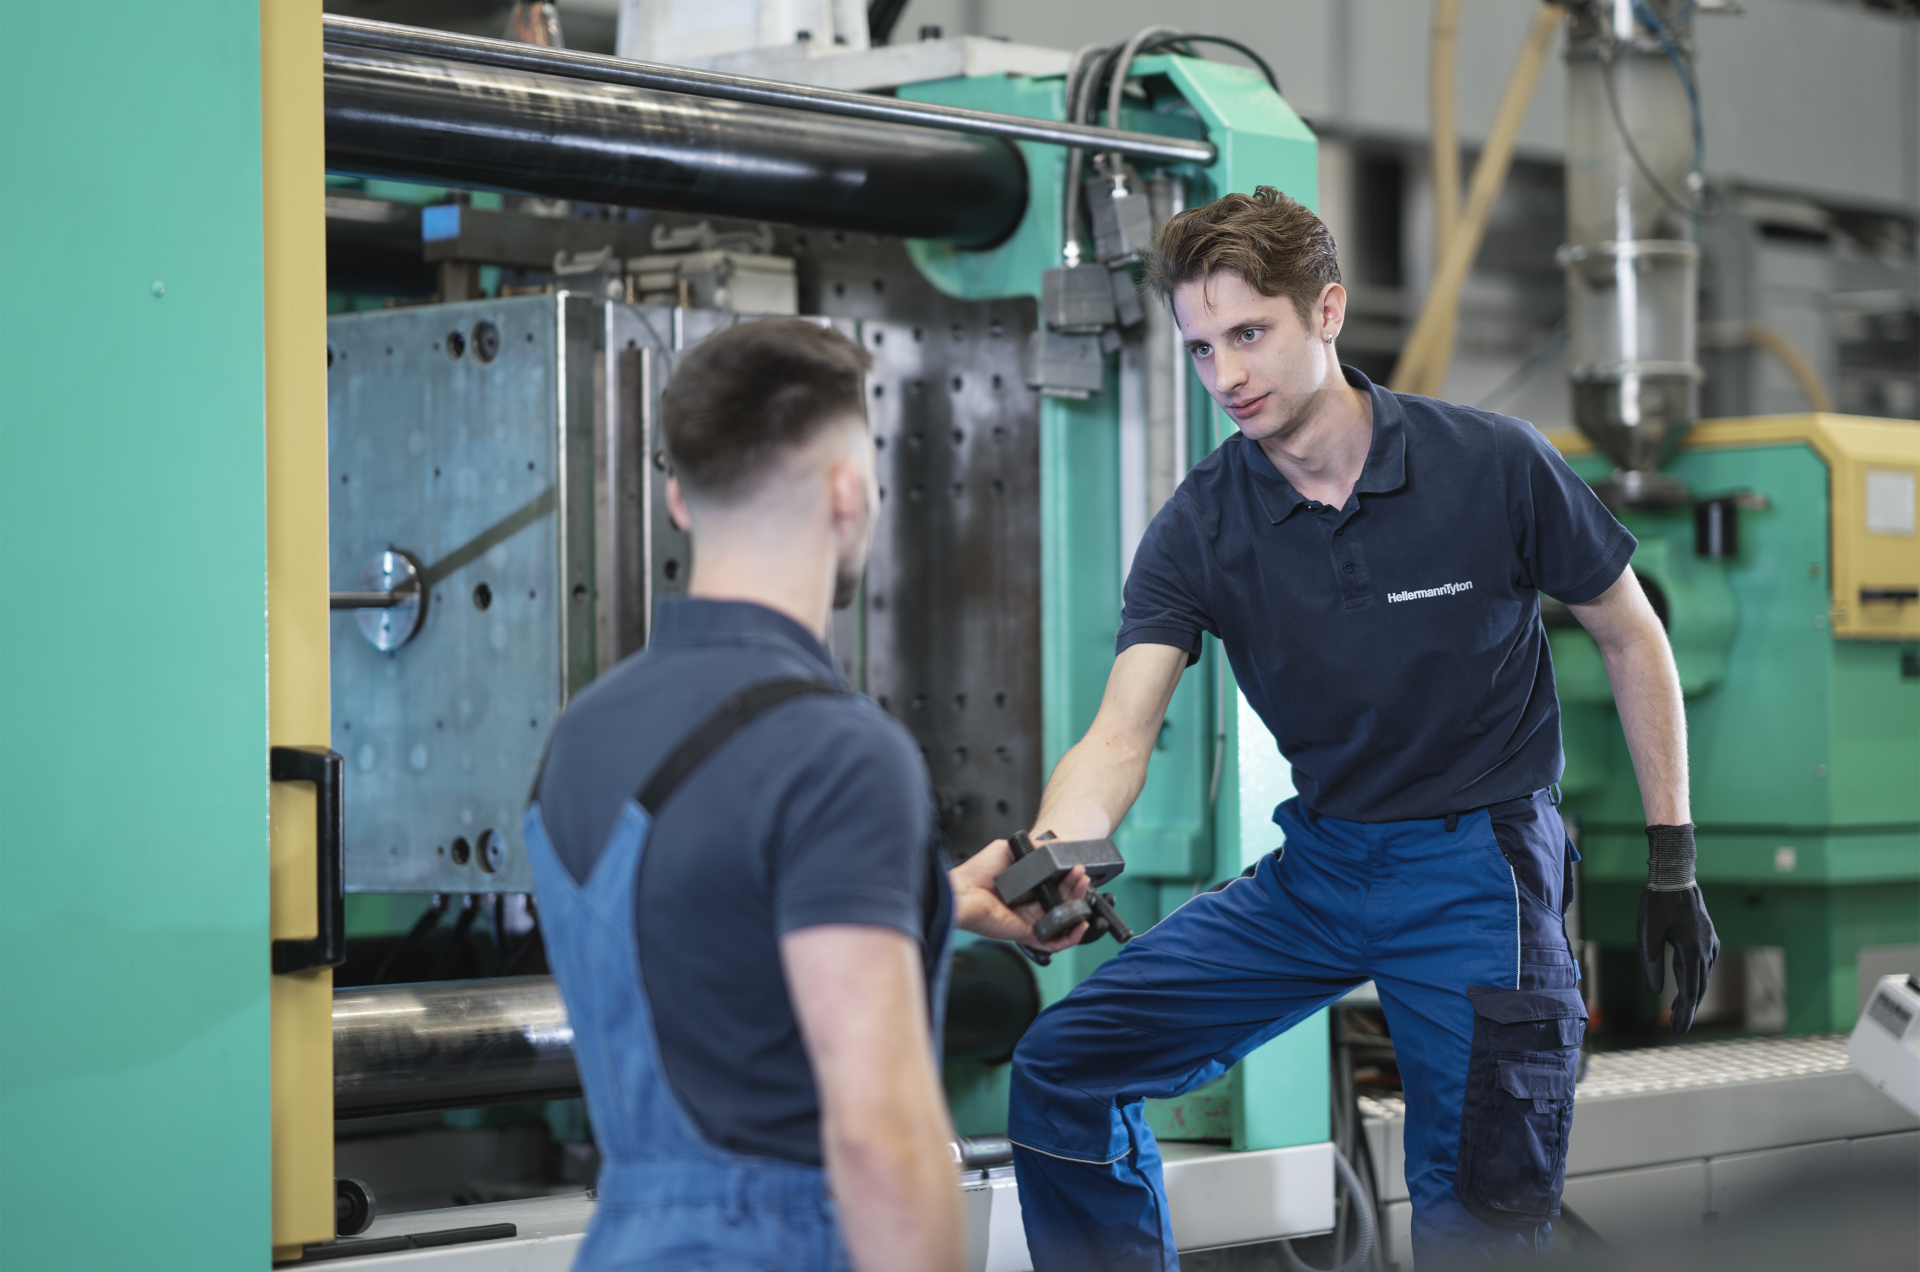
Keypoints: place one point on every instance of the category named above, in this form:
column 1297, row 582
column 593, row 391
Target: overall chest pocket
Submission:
column 1519, row 1103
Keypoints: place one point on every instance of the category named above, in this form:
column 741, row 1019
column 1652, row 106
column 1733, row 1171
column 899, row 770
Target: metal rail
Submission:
column 508, row 55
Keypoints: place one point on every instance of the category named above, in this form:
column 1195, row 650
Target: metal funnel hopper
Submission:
column 1635, row 382
column 1638, row 421
column 1631, row 264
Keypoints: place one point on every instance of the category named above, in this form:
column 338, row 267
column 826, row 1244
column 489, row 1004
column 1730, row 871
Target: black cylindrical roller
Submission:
column 423, row 119
column 991, row 999
column 354, row 1207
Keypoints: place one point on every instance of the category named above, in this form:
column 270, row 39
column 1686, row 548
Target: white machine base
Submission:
column 1218, row 1198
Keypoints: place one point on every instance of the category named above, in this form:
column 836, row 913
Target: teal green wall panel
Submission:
column 1280, row 1092
column 133, row 794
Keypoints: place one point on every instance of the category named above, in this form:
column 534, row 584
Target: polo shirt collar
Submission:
column 1385, row 469
column 687, row 622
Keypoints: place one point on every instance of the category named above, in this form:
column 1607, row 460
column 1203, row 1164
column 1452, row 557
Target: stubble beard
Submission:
column 847, row 577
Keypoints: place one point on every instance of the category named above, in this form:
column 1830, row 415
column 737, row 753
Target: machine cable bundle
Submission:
column 1097, row 67
column 1088, row 299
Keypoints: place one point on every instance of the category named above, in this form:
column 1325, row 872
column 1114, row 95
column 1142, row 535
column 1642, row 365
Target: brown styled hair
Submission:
column 745, row 397
column 1270, row 240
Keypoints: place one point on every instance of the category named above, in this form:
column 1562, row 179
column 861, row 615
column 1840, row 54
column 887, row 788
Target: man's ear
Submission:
column 677, row 506
column 846, row 492
column 1332, row 310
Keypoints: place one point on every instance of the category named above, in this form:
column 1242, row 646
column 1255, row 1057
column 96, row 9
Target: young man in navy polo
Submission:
column 1371, row 563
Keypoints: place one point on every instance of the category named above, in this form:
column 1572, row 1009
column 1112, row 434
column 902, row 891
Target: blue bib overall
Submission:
column 670, row 1200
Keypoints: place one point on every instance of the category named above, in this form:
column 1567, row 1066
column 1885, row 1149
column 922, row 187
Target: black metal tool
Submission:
column 1036, row 873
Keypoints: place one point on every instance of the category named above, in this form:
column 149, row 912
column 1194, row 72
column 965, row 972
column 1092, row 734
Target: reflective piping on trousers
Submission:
column 1062, row 1157
column 1516, row 924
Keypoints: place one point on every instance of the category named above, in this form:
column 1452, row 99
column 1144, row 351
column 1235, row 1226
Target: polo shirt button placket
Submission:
column 1355, row 587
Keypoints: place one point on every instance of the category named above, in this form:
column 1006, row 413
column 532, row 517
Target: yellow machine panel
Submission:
column 1874, row 468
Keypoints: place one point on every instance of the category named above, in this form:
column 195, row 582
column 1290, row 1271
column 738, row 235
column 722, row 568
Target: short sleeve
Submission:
column 1165, row 587
column 1573, row 548
column 854, row 837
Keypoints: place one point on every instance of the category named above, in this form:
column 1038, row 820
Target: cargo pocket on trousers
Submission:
column 1519, row 1103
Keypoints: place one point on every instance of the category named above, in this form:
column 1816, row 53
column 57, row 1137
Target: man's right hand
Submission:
column 978, row 908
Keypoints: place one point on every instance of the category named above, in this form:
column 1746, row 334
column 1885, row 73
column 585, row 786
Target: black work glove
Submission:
column 1672, row 912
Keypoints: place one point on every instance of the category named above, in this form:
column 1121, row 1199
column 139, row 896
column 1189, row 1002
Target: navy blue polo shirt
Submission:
column 1394, row 646
column 817, row 811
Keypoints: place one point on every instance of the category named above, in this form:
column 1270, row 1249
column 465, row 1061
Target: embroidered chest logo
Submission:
column 1421, row 594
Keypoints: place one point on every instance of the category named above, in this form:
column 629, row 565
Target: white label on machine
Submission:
column 1889, row 501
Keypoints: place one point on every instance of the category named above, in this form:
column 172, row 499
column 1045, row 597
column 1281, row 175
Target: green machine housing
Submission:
column 1796, row 628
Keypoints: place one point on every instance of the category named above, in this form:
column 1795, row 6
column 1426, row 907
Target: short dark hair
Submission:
column 745, row 397
column 1273, row 242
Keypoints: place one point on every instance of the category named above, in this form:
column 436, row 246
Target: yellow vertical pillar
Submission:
column 294, row 168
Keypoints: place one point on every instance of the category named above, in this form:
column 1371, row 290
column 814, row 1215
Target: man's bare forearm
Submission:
column 1646, row 690
column 884, row 1130
column 1092, row 788
column 899, row 1203
column 1097, row 781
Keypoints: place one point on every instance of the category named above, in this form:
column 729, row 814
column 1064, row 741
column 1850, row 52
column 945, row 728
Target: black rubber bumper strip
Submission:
column 407, row 1241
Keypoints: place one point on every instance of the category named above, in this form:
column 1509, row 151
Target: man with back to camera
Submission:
column 1371, row 563
column 738, row 881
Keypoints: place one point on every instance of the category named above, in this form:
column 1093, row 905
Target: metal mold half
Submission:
column 484, row 470
column 951, row 613
column 530, row 487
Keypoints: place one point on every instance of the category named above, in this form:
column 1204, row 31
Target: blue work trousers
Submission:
column 1457, row 921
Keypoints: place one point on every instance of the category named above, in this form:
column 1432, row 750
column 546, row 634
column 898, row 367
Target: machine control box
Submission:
column 1885, row 1047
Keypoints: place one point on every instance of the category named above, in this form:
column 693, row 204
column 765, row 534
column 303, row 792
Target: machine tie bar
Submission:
column 509, row 55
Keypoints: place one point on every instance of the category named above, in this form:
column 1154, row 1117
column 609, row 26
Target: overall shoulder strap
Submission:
column 717, row 728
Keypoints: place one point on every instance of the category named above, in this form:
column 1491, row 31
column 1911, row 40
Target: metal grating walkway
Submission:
column 1685, row 1066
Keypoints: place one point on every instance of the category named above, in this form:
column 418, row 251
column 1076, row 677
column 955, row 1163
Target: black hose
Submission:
column 1176, row 41
column 1093, row 74
column 1080, row 96
column 1626, row 139
column 415, row 934
column 882, row 17
column 457, row 939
